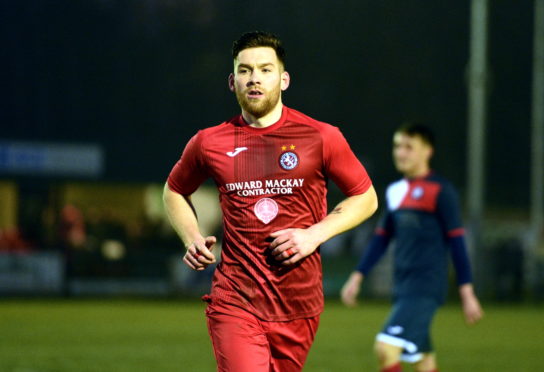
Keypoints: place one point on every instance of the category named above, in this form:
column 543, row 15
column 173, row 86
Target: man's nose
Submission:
column 254, row 78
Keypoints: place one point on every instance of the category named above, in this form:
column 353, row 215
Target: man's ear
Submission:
column 285, row 80
column 231, row 82
column 431, row 152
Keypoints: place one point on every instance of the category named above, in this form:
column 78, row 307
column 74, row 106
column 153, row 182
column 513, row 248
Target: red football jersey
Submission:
column 269, row 179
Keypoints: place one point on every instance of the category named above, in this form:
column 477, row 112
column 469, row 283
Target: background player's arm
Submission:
column 352, row 287
column 373, row 252
column 471, row 306
column 182, row 216
column 448, row 208
column 291, row 245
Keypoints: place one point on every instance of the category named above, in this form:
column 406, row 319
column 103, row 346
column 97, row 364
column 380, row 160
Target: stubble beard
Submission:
column 259, row 107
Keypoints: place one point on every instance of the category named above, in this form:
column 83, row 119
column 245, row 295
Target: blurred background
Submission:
column 99, row 98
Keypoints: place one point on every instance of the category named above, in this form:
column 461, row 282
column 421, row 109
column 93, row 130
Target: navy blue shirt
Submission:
column 423, row 218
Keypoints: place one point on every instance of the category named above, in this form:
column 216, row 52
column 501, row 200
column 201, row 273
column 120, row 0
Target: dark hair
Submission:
column 257, row 39
column 416, row 128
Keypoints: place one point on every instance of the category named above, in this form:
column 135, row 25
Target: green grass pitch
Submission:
column 170, row 335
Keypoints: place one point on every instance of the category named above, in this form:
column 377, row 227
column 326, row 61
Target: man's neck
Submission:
column 264, row 121
column 420, row 173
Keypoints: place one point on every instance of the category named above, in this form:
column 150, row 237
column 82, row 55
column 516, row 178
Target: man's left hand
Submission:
column 291, row 245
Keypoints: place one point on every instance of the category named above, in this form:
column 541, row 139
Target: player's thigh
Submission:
column 427, row 363
column 239, row 343
column 290, row 342
column 387, row 353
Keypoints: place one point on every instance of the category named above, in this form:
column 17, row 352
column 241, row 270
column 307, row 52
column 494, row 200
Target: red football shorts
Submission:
column 244, row 343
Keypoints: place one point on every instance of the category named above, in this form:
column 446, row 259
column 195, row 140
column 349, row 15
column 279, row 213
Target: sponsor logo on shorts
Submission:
column 395, row 330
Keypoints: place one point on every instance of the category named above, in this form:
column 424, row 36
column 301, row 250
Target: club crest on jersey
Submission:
column 266, row 210
column 417, row 193
column 289, row 160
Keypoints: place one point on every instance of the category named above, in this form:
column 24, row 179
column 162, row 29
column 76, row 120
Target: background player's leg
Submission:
column 427, row 364
column 388, row 356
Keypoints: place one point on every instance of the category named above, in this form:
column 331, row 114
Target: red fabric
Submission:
column 395, row 368
column 244, row 343
column 381, row 231
column 422, row 195
column 259, row 194
column 454, row 233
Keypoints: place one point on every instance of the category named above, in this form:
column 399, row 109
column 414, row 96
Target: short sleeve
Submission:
column 190, row 170
column 341, row 164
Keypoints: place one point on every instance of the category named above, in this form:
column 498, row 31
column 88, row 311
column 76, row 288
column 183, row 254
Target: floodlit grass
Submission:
column 508, row 339
column 139, row 335
column 103, row 336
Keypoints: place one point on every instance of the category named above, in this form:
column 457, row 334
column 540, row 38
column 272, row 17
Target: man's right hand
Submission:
column 198, row 255
column 351, row 289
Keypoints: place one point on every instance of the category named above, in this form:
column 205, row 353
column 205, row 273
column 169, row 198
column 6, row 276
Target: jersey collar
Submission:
column 420, row 178
column 247, row 128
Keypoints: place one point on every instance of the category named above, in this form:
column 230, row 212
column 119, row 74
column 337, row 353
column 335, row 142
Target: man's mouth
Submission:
column 253, row 93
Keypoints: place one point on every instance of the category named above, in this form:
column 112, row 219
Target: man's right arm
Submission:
column 350, row 290
column 375, row 250
column 183, row 218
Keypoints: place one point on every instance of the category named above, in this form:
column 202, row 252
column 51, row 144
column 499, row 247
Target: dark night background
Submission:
column 140, row 77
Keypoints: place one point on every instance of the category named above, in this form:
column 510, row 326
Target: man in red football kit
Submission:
column 271, row 165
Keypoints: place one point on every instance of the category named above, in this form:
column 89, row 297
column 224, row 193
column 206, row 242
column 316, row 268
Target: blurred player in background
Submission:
column 271, row 165
column 423, row 219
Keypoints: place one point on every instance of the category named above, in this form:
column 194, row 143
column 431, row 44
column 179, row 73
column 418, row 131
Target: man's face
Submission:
column 258, row 80
column 411, row 154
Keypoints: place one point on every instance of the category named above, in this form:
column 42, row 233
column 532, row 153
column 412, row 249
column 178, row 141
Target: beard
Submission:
column 259, row 107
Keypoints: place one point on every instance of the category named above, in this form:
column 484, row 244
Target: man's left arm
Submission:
column 471, row 306
column 448, row 207
column 292, row 245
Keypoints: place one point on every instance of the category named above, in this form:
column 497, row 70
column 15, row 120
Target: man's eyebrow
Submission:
column 260, row 65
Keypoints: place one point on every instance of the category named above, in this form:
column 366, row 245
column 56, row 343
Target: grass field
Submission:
column 170, row 335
